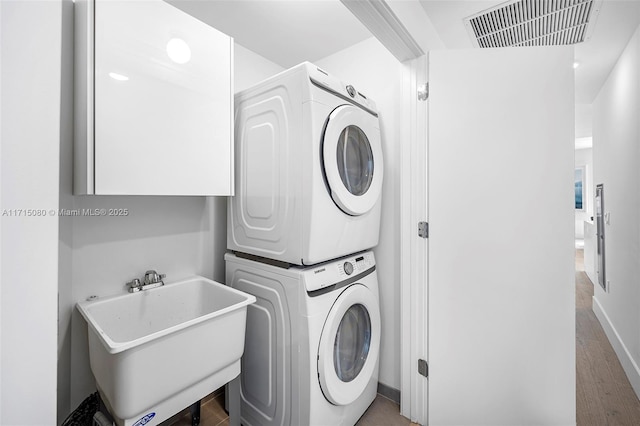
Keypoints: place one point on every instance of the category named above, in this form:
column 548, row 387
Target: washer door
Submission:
column 349, row 345
column 352, row 156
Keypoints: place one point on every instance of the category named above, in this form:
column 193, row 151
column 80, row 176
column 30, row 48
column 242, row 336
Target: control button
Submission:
column 348, row 268
column 351, row 91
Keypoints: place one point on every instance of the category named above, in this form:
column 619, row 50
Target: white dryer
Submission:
column 312, row 341
column 308, row 169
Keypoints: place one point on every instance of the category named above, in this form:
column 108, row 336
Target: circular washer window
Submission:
column 349, row 345
column 355, row 160
column 352, row 343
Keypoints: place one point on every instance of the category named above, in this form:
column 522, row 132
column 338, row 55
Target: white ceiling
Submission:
column 616, row 22
column 286, row 32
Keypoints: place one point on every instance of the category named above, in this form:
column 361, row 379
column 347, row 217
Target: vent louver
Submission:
column 534, row 23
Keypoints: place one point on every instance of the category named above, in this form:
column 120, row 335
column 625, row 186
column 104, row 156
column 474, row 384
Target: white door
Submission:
column 352, row 155
column 349, row 345
column 501, row 319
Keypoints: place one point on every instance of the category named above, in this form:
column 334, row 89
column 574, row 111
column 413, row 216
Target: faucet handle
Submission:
column 152, row 277
column 134, row 285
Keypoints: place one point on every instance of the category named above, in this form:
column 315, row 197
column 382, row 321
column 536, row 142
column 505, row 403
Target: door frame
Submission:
column 406, row 31
column 413, row 248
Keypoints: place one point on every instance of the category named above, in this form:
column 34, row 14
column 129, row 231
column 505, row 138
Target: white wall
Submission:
column 616, row 154
column 65, row 234
column 30, row 104
column 584, row 158
column 372, row 70
column 250, row 68
column 178, row 236
column 584, row 120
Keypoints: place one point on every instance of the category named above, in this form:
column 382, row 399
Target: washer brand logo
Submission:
column 145, row 419
column 317, row 271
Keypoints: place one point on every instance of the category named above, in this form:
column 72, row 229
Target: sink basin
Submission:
column 157, row 351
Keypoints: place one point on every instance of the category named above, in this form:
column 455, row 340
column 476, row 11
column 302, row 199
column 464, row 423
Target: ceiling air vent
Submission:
column 534, row 23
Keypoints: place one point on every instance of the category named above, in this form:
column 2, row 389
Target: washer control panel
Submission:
column 348, row 268
column 330, row 273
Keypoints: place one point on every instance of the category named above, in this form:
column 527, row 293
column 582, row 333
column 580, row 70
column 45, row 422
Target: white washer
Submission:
column 308, row 169
column 312, row 341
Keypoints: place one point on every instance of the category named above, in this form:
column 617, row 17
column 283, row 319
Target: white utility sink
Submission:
column 157, row 351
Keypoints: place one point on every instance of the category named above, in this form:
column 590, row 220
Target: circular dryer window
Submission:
column 352, row 157
column 355, row 160
column 353, row 340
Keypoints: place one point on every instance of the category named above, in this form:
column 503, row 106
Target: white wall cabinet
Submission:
column 154, row 101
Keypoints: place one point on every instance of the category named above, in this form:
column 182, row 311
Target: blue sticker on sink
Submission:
column 145, row 419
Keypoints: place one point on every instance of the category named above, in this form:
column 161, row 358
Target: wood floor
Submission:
column 603, row 393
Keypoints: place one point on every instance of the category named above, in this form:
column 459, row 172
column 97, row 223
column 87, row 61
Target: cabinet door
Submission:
column 162, row 102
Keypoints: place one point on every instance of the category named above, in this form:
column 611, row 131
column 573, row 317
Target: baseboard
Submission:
column 628, row 364
column 389, row 392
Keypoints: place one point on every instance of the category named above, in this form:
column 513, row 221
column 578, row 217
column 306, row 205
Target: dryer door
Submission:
column 349, row 345
column 352, row 155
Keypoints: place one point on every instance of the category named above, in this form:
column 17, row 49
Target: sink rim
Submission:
column 114, row 347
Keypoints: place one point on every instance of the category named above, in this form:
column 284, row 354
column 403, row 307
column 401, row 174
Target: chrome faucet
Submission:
column 152, row 277
column 151, row 280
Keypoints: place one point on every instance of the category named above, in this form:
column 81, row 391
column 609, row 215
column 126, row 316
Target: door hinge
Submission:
column 423, row 368
column 423, row 92
column 423, row 230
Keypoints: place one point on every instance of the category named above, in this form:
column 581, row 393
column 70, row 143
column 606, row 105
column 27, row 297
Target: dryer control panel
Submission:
column 335, row 272
column 346, row 91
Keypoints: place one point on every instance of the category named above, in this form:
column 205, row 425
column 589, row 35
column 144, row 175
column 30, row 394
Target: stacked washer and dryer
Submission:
column 305, row 213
